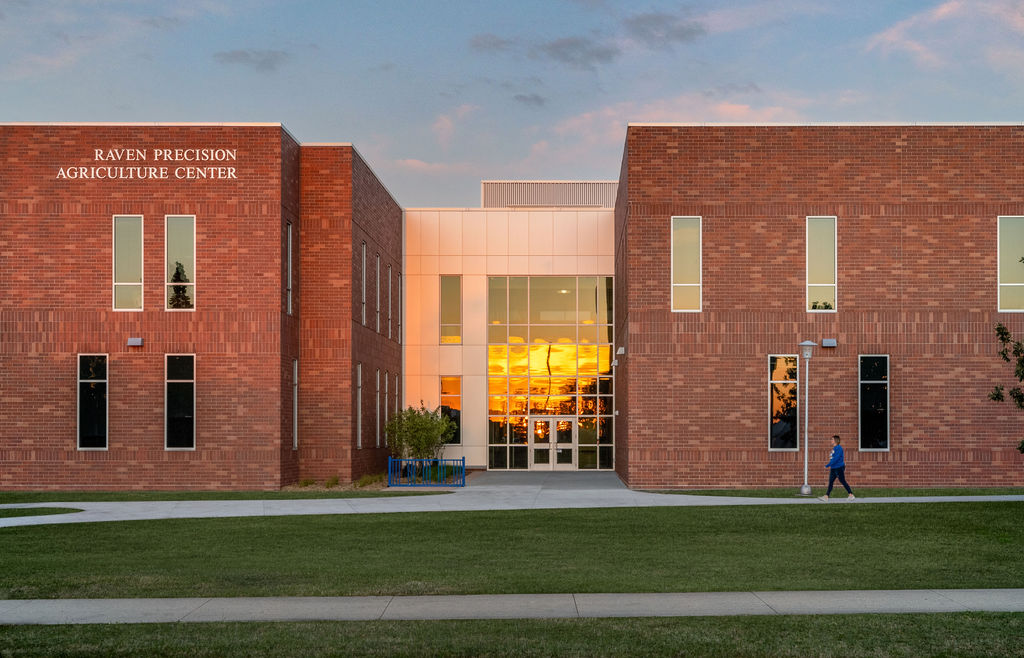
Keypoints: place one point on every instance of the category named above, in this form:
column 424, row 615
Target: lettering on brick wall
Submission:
column 155, row 164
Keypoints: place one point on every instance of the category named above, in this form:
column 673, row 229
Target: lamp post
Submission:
column 807, row 347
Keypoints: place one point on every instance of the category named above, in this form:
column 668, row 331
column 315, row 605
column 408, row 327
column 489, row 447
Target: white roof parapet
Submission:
column 548, row 193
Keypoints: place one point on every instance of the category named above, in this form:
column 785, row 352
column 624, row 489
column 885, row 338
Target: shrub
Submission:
column 369, row 479
column 418, row 433
column 331, row 482
column 307, row 482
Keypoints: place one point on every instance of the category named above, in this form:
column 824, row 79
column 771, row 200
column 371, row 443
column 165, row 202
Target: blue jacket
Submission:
column 835, row 460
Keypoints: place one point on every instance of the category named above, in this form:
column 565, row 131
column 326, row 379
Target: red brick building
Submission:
column 168, row 290
column 899, row 243
column 217, row 306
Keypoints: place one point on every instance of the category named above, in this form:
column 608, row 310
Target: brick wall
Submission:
column 55, row 260
column 916, row 209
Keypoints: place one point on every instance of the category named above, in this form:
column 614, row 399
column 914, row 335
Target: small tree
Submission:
column 418, row 433
column 1016, row 348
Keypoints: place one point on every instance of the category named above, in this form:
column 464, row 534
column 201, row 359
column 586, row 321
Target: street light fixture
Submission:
column 807, row 347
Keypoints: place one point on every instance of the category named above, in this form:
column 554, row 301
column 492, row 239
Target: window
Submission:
column 397, row 397
column 821, row 264
column 92, row 401
column 295, row 403
column 378, row 293
column 399, row 308
column 783, row 432
column 387, row 400
column 376, row 400
column 363, row 285
column 288, row 281
column 686, row 263
column 180, row 260
column 873, row 401
column 359, row 405
column 389, row 301
column 451, row 309
column 451, row 404
column 128, row 262
column 1011, row 269
column 180, row 403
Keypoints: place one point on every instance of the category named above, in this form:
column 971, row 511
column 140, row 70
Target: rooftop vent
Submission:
column 540, row 193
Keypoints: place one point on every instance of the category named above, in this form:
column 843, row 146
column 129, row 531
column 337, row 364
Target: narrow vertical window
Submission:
column 390, row 305
column 92, row 401
column 295, row 404
column 180, row 403
column 821, row 264
column 378, row 293
column 1011, row 270
column 180, row 259
column 387, row 399
column 288, row 282
column 873, row 400
column 686, row 264
column 451, row 404
column 363, row 285
column 451, row 309
column 783, row 426
column 376, row 401
column 401, row 299
column 359, row 405
column 398, row 398
column 128, row 262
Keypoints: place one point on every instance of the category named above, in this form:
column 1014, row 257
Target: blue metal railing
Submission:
column 426, row 472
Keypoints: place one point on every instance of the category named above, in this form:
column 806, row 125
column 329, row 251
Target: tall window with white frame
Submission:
column 359, row 405
column 451, row 404
column 821, row 264
column 180, row 260
column 295, row 404
column 376, row 402
column 686, row 264
column 398, row 398
column 400, row 299
column 288, row 256
column 873, row 400
column 180, row 403
column 378, row 293
column 783, row 387
column 451, row 309
column 1011, row 270
column 92, row 402
column 390, row 305
column 363, row 284
column 128, row 262
column 387, row 403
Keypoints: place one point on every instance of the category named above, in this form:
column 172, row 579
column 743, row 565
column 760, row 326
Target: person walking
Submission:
column 837, row 469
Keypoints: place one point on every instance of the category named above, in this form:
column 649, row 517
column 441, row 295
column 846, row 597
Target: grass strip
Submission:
column 13, row 497
column 860, row 492
column 956, row 634
column 678, row 549
column 35, row 511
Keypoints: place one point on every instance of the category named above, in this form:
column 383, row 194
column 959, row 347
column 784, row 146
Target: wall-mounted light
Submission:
column 615, row 362
column 828, row 342
column 620, row 351
column 134, row 342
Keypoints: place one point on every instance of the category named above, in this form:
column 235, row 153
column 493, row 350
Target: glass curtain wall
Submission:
column 549, row 348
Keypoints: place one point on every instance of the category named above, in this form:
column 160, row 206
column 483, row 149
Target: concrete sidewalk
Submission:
column 505, row 606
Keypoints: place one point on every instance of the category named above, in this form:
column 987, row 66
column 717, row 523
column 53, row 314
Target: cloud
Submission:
column 491, row 43
column 583, row 53
column 445, row 124
column 436, row 168
column 957, row 33
column 660, row 31
column 531, row 100
column 162, row 22
column 264, row 61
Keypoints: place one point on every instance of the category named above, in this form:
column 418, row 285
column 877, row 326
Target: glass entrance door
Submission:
column 552, row 444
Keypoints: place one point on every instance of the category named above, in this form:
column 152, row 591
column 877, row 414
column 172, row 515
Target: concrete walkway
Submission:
column 505, row 606
column 484, row 491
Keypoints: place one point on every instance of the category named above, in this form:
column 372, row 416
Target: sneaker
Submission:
column 823, row 499
column 851, row 497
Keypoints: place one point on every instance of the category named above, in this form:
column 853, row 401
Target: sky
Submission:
column 439, row 94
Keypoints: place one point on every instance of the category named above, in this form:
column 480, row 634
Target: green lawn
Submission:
column 12, row 497
column 967, row 634
column 815, row 547
column 35, row 511
column 860, row 492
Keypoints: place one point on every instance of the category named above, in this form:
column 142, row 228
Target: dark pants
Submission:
column 837, row 473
